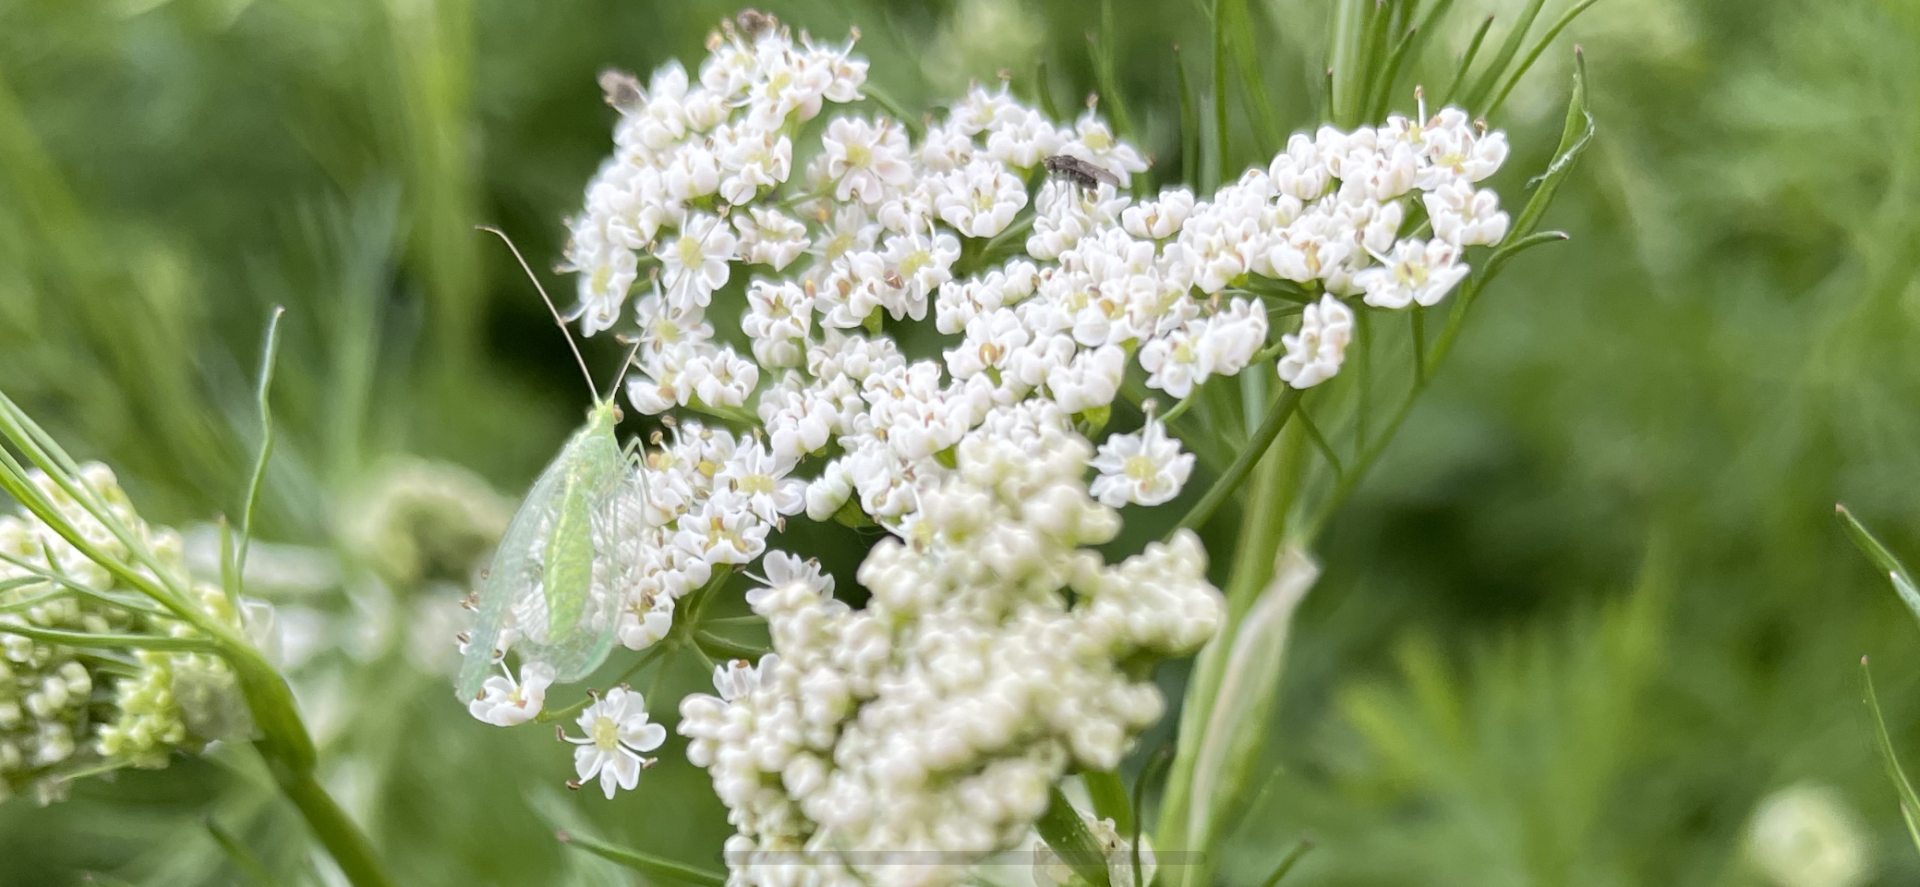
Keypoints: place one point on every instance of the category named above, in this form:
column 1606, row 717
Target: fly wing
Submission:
column 512, row 578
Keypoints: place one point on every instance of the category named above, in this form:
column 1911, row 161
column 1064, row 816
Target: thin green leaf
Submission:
column 1288, row 862
column 645, row 863
column 1466, row 62
column 1896, row 571
column 1320, row 443
column 46, row 574
column 1509, row 47
column 239, row 855
column 725, row 648
column 1067, row 836
column 49, row 457
column 1382, row 89
column 109, row 641
column 1510, row 251
column 1424, row 30
column 893, row 107
column 1909, row 802
column 1533, row 55
column 268, row 352
column 1574, row 139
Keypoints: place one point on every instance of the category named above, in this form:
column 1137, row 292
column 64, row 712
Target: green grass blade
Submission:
column 1909, row 802
column 1533, row 55
column 1466, row 62
column 1344, row 62
column 1509, row 47
column 1902, row 580
column 645, row 863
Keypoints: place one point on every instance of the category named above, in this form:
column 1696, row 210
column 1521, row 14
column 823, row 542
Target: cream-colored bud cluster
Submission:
column 986, row 665
column 65, row 710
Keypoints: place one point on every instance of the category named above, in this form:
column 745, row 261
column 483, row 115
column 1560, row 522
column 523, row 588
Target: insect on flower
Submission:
column 1080, row 172
column 540, row 590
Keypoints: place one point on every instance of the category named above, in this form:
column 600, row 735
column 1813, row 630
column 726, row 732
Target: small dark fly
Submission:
column 1080, row 172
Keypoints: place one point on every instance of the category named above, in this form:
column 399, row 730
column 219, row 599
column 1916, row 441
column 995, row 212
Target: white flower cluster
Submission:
column 938, row 717
column 60, row 712
column 986, row 663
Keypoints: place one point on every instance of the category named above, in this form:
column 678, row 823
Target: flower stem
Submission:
column 1229, row 482
column 343, row 840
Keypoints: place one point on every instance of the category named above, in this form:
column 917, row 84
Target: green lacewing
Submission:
column 538, row 592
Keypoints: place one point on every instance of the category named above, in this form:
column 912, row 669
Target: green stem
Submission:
column 343, row 840
column 1229, row 482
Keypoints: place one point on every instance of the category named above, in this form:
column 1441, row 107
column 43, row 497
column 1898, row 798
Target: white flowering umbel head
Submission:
column 988, row 661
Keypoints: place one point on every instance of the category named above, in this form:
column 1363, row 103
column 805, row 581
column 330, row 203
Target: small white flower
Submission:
column 1466, row 217
column 1315, row 352
column 865, row 161
column 1416, row 273
column 980, row 199
column 1160, row 218
column 617, row 735
column 1146, row 468
column 768, row 237
column 504, row 703
column 696, row 264
column 645, row 621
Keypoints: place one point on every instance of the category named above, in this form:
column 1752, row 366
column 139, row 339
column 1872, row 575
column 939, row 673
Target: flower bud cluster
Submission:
column 986, row 665
column 62, row 711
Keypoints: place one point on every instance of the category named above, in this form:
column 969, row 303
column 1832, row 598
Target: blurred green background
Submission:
column 1591, row 610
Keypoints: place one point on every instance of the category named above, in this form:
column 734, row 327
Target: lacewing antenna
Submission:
column 555, row 311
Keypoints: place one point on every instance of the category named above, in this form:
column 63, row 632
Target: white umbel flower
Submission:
column 1315, row 352
column 504, row 703
column 1146, row 468
column 617, row 734
column 1415, row 273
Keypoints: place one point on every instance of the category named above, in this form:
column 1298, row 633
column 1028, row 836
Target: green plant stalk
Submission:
column 1229, row 482
column 1261, row 529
